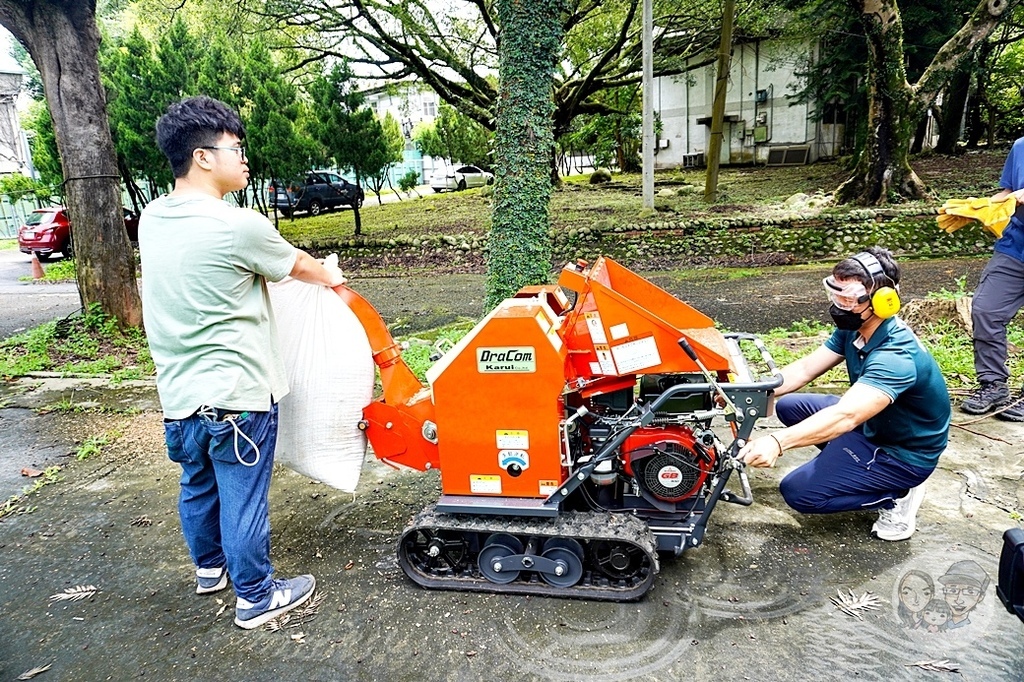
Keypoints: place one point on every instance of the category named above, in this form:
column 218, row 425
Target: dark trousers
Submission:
column 850, row 473
column 999, row 296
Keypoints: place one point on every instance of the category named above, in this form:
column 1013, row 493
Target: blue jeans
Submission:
column 850, row 473
column 223, row 504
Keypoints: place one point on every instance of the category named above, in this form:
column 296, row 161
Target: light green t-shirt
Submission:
column 205, row 304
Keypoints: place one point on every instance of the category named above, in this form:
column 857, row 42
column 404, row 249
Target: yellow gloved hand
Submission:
column 993, row 215
column 949, row 223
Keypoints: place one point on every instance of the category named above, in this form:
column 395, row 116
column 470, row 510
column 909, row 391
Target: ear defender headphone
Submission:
column 885, row 301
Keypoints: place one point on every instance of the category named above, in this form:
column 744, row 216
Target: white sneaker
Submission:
column 900, row 522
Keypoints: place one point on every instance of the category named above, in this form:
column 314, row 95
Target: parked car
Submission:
column 131, row 224
column 47, row 231
column 460, row 178
column 316, row 193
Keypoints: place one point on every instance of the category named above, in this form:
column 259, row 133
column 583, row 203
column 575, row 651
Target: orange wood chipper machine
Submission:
column 576, row 439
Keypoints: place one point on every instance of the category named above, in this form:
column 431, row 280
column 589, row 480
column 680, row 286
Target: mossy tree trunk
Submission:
column 953, row 106
column 63, row 39
column 883, row 173
column 529, row 43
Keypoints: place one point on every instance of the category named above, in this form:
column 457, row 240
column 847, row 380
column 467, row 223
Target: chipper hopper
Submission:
column 579, row 433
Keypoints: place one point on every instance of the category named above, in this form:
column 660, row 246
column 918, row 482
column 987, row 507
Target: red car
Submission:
column 47, row 231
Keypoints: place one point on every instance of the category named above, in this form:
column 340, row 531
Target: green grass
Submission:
column 17, row 504
column 60, row 271
column 748, row 192
column 82, row 344
column 424, row 344
column 93, row 445
column 8, row 244
column 948, row 344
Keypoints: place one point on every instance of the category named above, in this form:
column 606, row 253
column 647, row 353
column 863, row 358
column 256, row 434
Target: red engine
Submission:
column 669, row 463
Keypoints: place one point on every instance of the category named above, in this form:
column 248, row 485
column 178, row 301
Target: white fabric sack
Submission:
column 330, row 376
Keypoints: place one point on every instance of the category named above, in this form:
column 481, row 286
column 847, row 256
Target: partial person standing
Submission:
column 210, row 326
column 1000, row 294
column 882, row 438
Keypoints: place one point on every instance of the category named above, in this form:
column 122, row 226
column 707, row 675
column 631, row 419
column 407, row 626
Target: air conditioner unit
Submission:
column 796, row 155
column 693, row 160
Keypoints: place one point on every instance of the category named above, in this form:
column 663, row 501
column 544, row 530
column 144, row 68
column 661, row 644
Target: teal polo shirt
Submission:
column 915, row 427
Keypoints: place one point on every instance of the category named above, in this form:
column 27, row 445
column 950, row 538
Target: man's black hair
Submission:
column 852, row 269
column 193, row 123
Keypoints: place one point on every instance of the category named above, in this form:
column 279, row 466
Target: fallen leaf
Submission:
column 75, row 593
column 937, row 666
column 852, row 605
column 29, row 674
column 31, row 473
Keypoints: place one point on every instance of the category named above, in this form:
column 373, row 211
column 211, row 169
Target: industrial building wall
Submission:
column 759, row 116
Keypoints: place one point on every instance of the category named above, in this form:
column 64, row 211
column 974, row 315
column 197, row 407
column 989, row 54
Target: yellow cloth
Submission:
column 994, row 216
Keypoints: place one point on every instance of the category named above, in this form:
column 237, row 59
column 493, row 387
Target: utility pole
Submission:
column 718, row 108
column 648, row 103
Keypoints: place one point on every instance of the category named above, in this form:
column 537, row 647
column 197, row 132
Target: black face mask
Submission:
column 846, row 320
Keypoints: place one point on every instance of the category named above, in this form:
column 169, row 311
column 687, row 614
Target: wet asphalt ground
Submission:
column 753, row 602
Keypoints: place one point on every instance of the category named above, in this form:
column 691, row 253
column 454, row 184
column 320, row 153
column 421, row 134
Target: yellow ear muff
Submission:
column 885, row 302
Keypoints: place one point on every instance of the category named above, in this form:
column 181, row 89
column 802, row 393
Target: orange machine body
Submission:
column 492, row 417
column 498, row 403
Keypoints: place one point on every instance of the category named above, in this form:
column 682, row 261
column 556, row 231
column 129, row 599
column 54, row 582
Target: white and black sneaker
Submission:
column 210, row 580
column 284, row 596
column 900, row 522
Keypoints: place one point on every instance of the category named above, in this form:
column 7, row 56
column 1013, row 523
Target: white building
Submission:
column 761, row 124
column 14, row 153
column 411, row 104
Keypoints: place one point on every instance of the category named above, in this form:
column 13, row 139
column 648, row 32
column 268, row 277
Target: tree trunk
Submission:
column 953, row 107
column 63, row 40
column 919, row 134
column 520, row 252
column 883, row 173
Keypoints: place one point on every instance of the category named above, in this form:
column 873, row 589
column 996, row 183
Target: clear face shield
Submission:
column 845, row 295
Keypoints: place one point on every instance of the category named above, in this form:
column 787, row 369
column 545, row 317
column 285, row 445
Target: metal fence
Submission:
column 12, row 215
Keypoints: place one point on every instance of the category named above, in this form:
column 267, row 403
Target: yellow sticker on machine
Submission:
column 485, row 484
column 548, row 487
column 512, row 439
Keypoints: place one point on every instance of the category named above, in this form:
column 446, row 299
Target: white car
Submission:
column 460, row 178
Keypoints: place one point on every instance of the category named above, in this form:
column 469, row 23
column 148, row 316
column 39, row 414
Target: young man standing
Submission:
column 882, row 438
column 211, row 332
column 1000, row 294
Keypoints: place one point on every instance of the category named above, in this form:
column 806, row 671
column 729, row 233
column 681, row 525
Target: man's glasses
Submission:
column 965, row 591
column 238, row 150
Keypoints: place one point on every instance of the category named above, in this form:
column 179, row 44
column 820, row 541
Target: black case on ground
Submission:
column 1011, row 572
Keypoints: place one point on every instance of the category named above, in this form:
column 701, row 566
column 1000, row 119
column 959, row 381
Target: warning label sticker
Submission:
column 547, row 488
column 595, row 327
column 512, row 439
column 604, row 359
column 485, row 484
column 636, row 355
